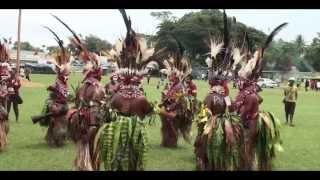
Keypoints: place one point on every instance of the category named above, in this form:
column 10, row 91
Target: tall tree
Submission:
column 312, row 54
column 162, row 16
column 300, row 43
column 52, row 49
column 93, row 43
column 193, row 31
column 27, row 47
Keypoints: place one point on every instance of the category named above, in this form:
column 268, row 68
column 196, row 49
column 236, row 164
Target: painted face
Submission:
column 64, row 75
column 64, row 78
column 240, row 83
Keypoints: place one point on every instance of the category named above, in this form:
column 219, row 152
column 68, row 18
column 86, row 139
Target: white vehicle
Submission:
column 267, row 83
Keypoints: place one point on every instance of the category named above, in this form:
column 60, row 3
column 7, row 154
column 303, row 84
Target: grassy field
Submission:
column 27, row 149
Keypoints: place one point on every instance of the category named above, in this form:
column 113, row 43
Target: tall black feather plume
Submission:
column 248, row 43
column 272, row 35
column 256, row 72
column 73, row 33
column 130, row 38
column 126, row 20
column 181, row 49
column 226, row 38
column 59, row 41
column 244, row 41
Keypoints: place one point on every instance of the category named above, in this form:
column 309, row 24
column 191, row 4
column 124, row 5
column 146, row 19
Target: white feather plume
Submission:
column 147, row 53
column 142, row 43
column 138, row 59
column 237, row 57
column 209, row 62
column 152, row 65
column 246, row 70
column 167, row 64
column 118, row 47
column 215, row 48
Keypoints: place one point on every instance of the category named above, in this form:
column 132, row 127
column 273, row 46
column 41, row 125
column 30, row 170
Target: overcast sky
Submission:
column 108, row 24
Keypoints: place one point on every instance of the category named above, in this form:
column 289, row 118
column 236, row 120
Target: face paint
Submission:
column 240, row 84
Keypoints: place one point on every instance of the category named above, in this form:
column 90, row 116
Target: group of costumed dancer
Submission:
column 9, row 92
column 236, row 135
column 109, row 123
column 178, row 101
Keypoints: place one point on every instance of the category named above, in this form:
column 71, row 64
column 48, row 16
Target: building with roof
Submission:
column 31, row 57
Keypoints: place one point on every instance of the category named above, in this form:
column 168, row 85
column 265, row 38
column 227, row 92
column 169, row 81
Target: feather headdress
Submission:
column 4, row 50
column 252, row 69
column 91, row 59
column 177, row 64
column 62, row 58
column 220, row 59
column 132, row 55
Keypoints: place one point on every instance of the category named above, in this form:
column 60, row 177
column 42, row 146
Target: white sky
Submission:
column 108, row 24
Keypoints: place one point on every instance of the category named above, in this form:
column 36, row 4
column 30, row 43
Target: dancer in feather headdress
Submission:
column 217, row 146
column 123, row 140
column 54, row 113
column 86, row 117
column 175, row 115
column 4, row 77
column 261, row 129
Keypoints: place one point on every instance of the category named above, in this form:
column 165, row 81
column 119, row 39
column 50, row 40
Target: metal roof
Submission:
column 27, row 55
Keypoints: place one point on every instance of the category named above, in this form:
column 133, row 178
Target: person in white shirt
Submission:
column 318, row 85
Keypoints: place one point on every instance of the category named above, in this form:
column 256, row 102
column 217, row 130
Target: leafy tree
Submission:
column 313, row 53
column 52, row 49
column 300, row 43
column 26, row 46
column 93, row 43
column 163, row 15
column 193, row 31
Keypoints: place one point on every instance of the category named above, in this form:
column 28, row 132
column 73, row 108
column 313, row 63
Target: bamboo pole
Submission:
column 18, row 44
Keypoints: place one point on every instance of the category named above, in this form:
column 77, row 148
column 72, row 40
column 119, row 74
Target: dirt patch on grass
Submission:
column 30, row 84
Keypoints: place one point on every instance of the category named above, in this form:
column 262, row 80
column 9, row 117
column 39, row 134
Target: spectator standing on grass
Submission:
column 298, row 83
column 13, row 94
column 306, row 85
column 28, row 72
column 317, row 85
column 290, row 98
column 313, row 87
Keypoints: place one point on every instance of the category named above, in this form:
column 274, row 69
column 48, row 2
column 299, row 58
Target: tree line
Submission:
column 92, row 42
column 193, row 30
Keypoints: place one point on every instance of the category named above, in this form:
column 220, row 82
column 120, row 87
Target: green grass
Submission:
column 27, row 149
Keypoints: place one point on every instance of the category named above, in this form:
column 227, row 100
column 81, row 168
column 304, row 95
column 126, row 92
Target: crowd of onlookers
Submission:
column 314, row 84
column 311, row 84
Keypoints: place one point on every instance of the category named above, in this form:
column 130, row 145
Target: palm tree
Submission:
column 300, row 44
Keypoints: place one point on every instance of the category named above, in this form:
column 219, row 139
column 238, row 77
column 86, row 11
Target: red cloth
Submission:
column 175, row 88
column 94, row 73
column 15, row 84
column 60, row 90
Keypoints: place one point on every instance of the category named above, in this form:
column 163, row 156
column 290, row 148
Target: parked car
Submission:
column 267, row 83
